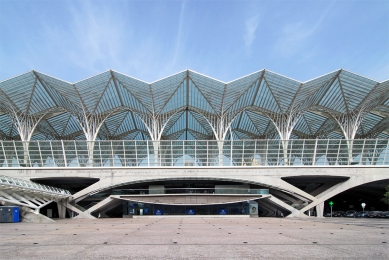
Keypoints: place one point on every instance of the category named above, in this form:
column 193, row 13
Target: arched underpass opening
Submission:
column 313, row 185
column 369, row 193
column 51, row 211
column 72, row 184
column 184, row 197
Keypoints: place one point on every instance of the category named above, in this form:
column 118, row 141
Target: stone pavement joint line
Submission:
column 191, row 238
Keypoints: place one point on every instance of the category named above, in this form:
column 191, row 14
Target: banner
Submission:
column 158, row 212
column 190, row 212
column 253, row 208
column 223, row 212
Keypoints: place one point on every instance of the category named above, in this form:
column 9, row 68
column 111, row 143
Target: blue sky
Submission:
column 150, row 40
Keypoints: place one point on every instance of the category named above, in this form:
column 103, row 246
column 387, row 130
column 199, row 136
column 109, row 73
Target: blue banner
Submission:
column 190, row 212
column 223, row 212
column 158, row 212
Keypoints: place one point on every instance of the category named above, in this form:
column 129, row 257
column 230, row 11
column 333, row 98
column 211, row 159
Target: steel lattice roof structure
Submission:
column 191, row 106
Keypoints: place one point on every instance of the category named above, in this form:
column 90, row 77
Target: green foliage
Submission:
column 385, row 199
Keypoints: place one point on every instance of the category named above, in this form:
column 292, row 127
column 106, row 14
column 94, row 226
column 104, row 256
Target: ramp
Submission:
column 29, row 194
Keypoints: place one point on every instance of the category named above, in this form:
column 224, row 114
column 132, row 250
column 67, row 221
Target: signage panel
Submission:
column 158, row 212
column 223, row 212
column 190, row 212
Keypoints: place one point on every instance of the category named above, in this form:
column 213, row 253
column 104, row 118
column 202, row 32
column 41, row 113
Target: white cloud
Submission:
column 179, row 38
column 251, row 27
column 294, row 38
column 98, row 37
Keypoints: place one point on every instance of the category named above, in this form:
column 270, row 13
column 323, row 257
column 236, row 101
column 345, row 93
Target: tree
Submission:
column 385, row 199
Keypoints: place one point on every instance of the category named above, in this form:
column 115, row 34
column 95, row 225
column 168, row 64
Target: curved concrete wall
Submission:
column 265, row 176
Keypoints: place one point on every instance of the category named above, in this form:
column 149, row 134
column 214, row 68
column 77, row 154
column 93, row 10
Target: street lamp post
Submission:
column 331, row 204
column 363, row 208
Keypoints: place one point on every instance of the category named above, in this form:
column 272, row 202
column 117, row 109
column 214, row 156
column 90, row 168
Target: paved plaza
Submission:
column 197, row 237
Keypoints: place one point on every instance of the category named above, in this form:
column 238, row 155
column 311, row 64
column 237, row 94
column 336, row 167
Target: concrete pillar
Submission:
column 319, row 210
column 61, row 211
column 220, row 145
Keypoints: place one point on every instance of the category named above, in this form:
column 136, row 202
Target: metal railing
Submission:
column 294, row 152
column 24, row 184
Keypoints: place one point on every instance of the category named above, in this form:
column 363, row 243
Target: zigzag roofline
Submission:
column 224, row 82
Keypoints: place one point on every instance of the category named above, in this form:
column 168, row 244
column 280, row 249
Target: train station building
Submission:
column 262, row 145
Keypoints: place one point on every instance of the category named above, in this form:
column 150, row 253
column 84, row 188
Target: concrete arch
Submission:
column 353, row 181
column 109, row 183
column 271, row 177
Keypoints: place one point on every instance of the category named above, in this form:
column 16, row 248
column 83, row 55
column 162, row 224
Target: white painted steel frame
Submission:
column 189, row 105
column 125, row 153
column 6, row 181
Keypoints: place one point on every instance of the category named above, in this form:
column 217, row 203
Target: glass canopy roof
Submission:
column 189, row 105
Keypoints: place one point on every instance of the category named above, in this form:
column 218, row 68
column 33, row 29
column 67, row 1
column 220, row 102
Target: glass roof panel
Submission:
column 7, row 129
column 355, row 88
column 283, row 89
column 197, row 118
column 119, row 123
column 265, row 100
column 368, row 123
column 109, row 100
column 211, row 89
column 260, row 122
column 162, row 90
column 337, row 92
column 379, row 94
column 246, row 124
column 40, row 100
column 129, row 100
column 177, row 100
column 62, row 91
column 238, row 88
column 139, row 89
column 246, row 99
column 92, row 89
column 302, row 126
column 127, row 124
column 64, row 124
column 176, row 124
column 335, row 135
column 19, row 89
column 197, row 100
column 309, row 88
column 333, row 98
column 314, row 121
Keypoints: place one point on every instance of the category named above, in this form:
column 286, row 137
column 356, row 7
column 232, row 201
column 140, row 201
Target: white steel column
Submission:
column 349, row 124
column 155, row 125
column 91, row 125
column 220, row 125
column 284, row 123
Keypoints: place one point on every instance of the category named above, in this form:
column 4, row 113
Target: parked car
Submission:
column 384, row 214
column 350, row 213
column 362, row 214
column 373, row 214
column 328, row 214
column 338, row 213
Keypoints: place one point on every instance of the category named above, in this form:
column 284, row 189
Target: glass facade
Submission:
column 136, row 208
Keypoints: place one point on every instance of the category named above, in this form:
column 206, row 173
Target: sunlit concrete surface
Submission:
column 197, row 237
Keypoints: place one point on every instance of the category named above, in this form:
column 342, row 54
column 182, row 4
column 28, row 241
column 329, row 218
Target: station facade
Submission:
column 261, row 145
